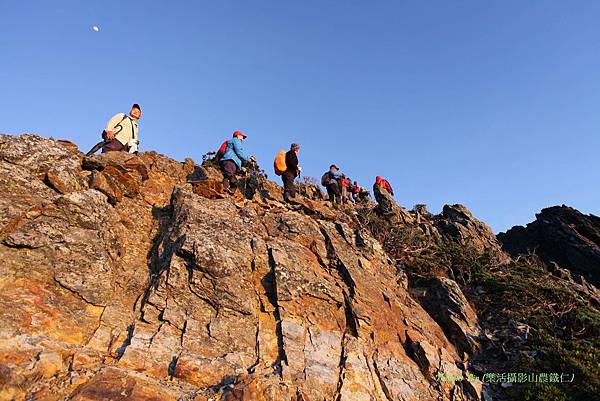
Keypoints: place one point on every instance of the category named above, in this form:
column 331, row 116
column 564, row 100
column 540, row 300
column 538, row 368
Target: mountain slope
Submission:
column 121, row 280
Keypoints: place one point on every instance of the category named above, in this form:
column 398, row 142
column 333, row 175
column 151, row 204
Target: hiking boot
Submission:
column 286, row 197
column 227, row 187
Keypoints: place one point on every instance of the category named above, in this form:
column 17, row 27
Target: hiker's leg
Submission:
column 113, row 146
column 225, row 179
column 330, row 193
column 335, row 189
column 234, row 180
column 288, row 185
column 285, row 191
column 292, row 186
column 228, row 168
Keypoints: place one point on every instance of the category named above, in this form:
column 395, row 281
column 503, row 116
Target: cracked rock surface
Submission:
column 121, row 280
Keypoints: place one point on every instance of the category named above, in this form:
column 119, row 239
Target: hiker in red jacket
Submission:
column 355, row 191
column 383, row 195
column 383, row 183
column 345, row 182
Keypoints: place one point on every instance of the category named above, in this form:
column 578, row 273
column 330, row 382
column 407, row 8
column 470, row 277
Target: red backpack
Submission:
column 222, row 150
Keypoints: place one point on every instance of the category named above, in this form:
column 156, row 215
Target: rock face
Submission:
column 122, row 280
column 562, row 235
column 456, row 225
column 443, row 299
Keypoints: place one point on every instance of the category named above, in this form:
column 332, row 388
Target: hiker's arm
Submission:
column 291, row 161
column 112, row 123
column 239, row 151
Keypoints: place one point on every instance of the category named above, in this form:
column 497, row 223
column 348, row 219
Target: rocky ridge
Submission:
column 132, row 277
column 563, row 238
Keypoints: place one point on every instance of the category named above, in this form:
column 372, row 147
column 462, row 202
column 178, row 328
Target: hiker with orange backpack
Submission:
column 292, row 171
column 232, row 160
column 286, row 165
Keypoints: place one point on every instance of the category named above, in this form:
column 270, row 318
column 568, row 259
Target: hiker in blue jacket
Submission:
column 232, row 161
column 332, row 180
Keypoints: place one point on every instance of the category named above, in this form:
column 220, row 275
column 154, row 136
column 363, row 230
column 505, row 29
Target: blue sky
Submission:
column 493, row 104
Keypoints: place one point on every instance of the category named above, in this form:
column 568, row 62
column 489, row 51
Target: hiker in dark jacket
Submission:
column 333, row 184
column 232, row 160
column 292, row 171
column 363, row 195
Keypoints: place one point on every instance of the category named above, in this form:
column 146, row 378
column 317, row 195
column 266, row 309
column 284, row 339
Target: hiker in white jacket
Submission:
column 122, row 131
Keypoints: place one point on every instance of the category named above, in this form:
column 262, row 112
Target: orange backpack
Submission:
column 279, row 163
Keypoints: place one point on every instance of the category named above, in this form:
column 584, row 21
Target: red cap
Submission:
column 239, row 133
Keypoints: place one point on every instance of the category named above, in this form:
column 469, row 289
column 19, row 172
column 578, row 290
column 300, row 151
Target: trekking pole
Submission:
column 257, row 177
column 96, row 148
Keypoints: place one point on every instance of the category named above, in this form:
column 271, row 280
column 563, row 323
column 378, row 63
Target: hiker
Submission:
column 232, row 160
column 121, row 133
column 383, row 183
column 291, row 172
column 221, row 151
column 355, row 190
column 345, row 187
column 363, row 195
column 331, row 181
column 383, row 192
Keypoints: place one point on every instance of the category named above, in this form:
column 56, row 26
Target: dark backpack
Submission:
column 221, row 151
column 325, row 179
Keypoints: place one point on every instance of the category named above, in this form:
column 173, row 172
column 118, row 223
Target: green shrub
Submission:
column 563, row 329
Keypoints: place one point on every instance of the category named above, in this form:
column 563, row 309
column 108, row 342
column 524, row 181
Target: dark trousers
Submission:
column 229, row 170
column 333, row 191
column 114, row 146
column 289, row 189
